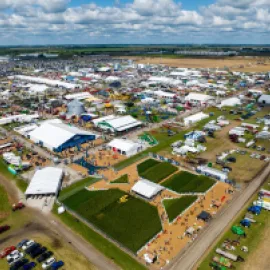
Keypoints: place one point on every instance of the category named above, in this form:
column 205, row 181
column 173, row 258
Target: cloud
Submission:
column 142, row 21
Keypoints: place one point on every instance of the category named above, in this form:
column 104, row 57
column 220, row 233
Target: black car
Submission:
column 18, row 264
column 31, row 248
column 37, row 252
column 44, row 256
column 231, row 159
column 227, row 168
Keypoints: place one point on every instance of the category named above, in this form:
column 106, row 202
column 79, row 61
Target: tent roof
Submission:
column 204, row 215
column 146, row 188
column 55, row 134
column 45, row 181
column 124, row 145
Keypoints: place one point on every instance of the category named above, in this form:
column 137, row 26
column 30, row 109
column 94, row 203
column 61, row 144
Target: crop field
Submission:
column 155, row 171
column 184, row 182
column 126, row 219
column 174, row 207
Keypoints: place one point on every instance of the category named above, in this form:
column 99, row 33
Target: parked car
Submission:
column 37, row 252
column 15, row 258
column 17, row 206
column 29, row 266
column 31, row 248
column 23, row 242
column 227, row 168
column 4, row 228
column 28, row 244
column 48, row 263
column 13, row 254
column 6, row 251
column 57, row 265
column 231, row 159
column 44, row 256
column 18, row 264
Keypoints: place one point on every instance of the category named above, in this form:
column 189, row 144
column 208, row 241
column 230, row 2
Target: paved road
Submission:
column 216, row 227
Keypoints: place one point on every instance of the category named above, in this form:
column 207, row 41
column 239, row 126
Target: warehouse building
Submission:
column 58, row 137
column 117, row 124
column 46, row 181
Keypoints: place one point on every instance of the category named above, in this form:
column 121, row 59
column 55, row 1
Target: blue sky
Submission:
column 26, row 22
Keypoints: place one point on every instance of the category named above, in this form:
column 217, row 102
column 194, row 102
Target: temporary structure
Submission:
column 146, row 189
column 46, row 181
column 124, row 147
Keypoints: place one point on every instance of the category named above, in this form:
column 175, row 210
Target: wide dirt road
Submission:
column 216, row 227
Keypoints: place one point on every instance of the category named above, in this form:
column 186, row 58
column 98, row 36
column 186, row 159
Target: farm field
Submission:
column 155, row 171
column 174, row 207
column 185, row 182
column 247, row 64
column 126, row 219
column 257, row 241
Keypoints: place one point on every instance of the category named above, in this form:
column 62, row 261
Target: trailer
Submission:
column 222, row 261
column 226, row 254
column 263, row 204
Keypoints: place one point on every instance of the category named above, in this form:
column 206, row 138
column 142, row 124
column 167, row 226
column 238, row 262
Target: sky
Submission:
column 42, row 22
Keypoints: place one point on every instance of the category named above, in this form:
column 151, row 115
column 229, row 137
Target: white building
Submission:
column 124, row 147
column 19, row 118
column 214, row 173
column 115, row 123
column 147, row 189
column 230, row 102
column 56, row 136
column 192, row 119
column 79, row 96
column 46, row 181
column 264, row 99
column 197, row 98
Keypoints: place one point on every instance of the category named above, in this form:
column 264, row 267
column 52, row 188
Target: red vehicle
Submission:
column 4, row 228
column 6, row 251
column 18, row 206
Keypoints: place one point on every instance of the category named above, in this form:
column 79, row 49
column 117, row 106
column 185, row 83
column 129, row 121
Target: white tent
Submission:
column 192, row 119
column 46, row 181
column 124, row 147
column 53, row 134
column 146, row 189
column 198, row 98
column 230, row 102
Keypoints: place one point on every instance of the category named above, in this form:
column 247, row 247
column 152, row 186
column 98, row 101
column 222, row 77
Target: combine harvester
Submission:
column 148, row 138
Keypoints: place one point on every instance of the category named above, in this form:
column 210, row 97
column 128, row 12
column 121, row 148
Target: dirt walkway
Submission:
column 217, row 226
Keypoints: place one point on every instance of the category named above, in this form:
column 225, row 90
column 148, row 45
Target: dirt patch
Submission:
column 245, row 64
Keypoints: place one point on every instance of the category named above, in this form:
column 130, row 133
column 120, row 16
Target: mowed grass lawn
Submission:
column 174, row 207
column 185, row 182
column 155, row 171
column 131, row 222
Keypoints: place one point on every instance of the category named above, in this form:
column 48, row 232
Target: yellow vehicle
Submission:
column 123, row 199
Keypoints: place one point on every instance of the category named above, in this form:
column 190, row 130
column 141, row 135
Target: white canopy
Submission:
column 195, row 118
column 125, row 147
column 45, row 181
column 146, row 188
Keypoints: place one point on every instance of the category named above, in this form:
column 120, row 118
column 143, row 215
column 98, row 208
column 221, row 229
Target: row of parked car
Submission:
column 15, row 256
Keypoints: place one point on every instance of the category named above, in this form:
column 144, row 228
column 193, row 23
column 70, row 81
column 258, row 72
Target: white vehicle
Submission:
column 28, row 244
column 48, row 263
column 15, row 258
column 13, row 254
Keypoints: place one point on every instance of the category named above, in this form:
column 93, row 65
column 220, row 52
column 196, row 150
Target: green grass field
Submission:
column 184, row 182
column 121, row 180
column 155, row 171
column 131, row 223
column 174, row 207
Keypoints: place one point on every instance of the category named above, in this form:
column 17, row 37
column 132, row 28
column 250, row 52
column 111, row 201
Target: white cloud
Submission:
column 155, row 21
